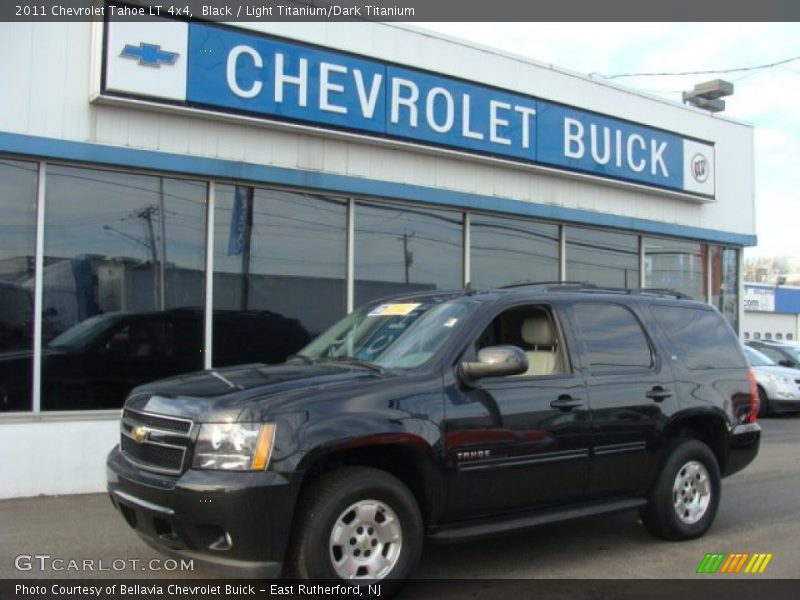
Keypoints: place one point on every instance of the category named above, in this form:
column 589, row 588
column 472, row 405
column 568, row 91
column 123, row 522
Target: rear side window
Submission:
column 613, row 339
column 701, row 337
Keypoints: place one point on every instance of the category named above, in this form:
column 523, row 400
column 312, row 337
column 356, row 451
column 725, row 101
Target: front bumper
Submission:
column 233, row 523
column 743, row 443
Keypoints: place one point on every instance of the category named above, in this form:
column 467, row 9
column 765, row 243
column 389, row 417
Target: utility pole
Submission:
column 162, row 266
column 408, row 256
column 146, row 214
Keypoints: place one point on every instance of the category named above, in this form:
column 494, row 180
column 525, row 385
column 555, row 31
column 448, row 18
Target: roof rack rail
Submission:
column 637, row 291
column 584, row 286
column 662, row 292
column 524, row 283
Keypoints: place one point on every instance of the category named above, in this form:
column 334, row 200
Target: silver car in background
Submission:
column 778, row 387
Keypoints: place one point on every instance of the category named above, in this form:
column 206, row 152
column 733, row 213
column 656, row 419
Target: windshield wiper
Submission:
column 354, row 361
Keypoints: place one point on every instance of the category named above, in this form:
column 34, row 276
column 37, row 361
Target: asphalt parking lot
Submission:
column 760, row 512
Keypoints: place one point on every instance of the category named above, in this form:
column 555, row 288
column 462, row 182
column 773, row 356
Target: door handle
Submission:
column 658, row 394
column 566, row 403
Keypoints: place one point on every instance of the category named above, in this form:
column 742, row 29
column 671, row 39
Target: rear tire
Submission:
column 763, row 403
column 360, row 525
column 685, row 497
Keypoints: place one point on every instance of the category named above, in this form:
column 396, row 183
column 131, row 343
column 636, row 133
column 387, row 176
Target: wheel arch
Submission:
column 707, row 427
column 408, row 458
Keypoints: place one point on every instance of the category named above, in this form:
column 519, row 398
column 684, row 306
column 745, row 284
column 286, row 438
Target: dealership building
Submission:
column 771, row 312
column 184, row 195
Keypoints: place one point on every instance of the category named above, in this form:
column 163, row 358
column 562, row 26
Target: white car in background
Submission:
column 778, row 387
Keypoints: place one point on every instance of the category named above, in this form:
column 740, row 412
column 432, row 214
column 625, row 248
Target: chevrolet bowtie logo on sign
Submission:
column 149, row 55
column 741, row 562
column 140, row 434
column 147, row 59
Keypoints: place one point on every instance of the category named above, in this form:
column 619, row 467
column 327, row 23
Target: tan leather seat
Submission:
column 538, row 333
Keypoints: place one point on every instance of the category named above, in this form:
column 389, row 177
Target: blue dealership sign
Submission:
column 261, row 76
column 264, row 76
column 582, row 141
column 465, row 116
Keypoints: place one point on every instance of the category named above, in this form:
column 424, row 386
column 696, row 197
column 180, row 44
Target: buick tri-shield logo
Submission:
column 700, row 168
column 149, row 55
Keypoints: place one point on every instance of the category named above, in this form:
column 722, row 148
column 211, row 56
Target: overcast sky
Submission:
column 767, row 98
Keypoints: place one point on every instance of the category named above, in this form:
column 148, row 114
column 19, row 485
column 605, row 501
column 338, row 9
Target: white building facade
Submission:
column 179, row 196
column 771, row 312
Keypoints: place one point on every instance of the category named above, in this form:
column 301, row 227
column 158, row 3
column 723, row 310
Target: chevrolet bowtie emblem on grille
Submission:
column 149, row 55
column 139, row 434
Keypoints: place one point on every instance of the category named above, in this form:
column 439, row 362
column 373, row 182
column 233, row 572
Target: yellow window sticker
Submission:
column 392, row 310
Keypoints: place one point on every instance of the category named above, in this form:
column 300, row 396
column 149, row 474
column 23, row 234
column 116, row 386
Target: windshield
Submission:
column 792, row 351
column 757, row 359
column 83, row 333
column 394, row 335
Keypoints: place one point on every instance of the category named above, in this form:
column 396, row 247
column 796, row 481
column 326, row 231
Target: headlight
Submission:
column 234, row 446
column 780, row 380
column 785, row 387
column 788, row 385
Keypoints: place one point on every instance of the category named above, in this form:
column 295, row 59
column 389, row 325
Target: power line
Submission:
column 704, row 72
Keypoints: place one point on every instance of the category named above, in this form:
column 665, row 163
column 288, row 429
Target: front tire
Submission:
column 684, row 499
column 357, row 524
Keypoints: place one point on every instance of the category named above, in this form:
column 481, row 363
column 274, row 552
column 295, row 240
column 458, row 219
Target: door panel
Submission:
column 625, row 430
column 507, row 446
column 630, row 392
column 510, row 450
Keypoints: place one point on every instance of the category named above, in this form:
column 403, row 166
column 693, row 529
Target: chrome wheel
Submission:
column 691, row 492
column 365, row 541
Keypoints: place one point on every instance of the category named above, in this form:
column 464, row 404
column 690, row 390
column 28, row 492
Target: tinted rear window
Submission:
column 613, row 339
column 701, row 337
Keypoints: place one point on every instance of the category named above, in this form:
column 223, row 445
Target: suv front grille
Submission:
column 149, row 455
column 158, row 422
column 155, row 442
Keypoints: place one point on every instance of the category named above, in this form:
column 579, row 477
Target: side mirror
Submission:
column 496, row 361
column 787, row 363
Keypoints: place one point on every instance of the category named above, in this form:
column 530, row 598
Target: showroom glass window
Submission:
column 18, row 235
column 279, row 271
column 404, row 249
column 605, row 258
column 123, row 284
column 504, row 251
column 675, row 265
column 725, row 282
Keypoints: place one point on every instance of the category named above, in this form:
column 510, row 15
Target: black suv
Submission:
column 446, row 416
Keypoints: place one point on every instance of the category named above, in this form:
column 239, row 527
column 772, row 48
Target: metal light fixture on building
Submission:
column 707, row 95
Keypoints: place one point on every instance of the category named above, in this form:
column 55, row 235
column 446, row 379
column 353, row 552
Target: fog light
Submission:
column 224, row 542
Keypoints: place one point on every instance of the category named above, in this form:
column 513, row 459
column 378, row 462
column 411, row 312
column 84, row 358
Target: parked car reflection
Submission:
column 94, row 364
column 16, row 316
